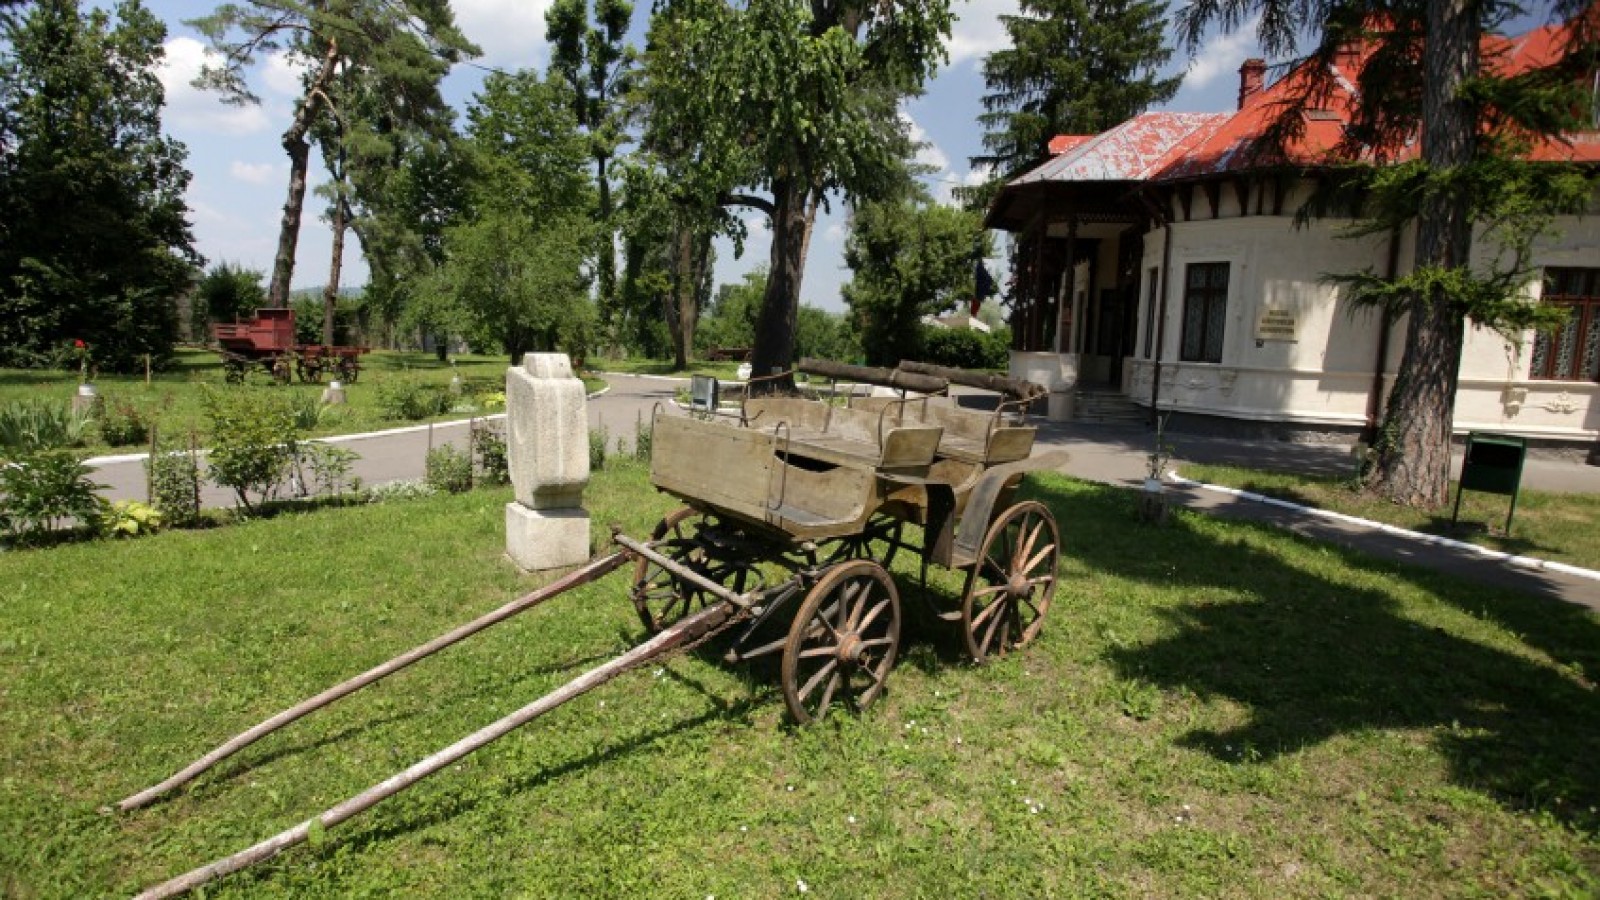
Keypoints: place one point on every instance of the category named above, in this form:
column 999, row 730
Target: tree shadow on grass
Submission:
column 1314, row 658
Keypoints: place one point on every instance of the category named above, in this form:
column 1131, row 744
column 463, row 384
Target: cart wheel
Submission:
column 1009, row 589
column 309, row 370
column 660, row 597
column 348, row 369
column 280, row 369
column 233, row 370
column 860, row 546
column 843, row 641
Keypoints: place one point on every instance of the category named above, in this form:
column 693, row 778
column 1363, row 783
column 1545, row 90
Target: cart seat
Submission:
column 842, row 436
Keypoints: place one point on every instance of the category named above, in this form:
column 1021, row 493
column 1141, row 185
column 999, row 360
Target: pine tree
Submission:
column 1073, row 67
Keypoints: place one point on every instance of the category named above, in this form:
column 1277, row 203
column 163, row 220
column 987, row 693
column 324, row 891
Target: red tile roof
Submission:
column 1178, row 146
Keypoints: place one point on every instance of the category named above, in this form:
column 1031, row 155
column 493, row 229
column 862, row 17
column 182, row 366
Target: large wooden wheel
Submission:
column 843, row 641
column 881, row 533
column 1010, row 587
column 662, row 598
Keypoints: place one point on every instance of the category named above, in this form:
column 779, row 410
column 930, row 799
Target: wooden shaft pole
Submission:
column 588, row 573
column 671, row 639
column 1000, row 384
column 895, row 378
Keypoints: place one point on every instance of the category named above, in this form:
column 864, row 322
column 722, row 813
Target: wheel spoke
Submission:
column 1039, row 558
column 1026, row 546
column 991, row 589
column 872, row 616
column 827, row 695
column 987, row 612
column 877, row 642
column 853, row 622
column 818, row 651
column 815, row 679
column 988, row 634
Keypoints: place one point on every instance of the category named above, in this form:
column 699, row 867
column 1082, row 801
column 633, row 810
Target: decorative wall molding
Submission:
column 1512, row 398
column 1226, row 381
column 1197, row 384
column 1561, row 404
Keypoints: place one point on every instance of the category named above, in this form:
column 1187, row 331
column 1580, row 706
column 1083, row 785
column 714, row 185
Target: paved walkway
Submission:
column 1110, row 454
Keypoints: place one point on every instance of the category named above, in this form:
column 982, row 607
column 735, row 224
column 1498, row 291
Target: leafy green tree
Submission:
column 824, row 335
column 225, row 293
column 668, row 258
column 788, row 100
column 1073, row 67
column 513, row 267
column 407, row 44
column 94, row 245
column 1426, row 79
column 598, row 65
column 908, row 258
column 730, row 317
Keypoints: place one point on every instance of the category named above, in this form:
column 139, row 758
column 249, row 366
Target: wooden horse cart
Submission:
column 794, row 509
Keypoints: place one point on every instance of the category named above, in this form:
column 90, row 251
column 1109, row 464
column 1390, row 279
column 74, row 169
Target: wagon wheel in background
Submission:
column 860, row 545
column 348, row 369
column 662, row 598
column 843, row 641
column 279, row 366
column 309, row 368
column 1010, row 586
column 233, row 369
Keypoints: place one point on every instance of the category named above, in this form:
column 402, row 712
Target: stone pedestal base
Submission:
column 1060, row 406
column 542, row 539
column 333, row 394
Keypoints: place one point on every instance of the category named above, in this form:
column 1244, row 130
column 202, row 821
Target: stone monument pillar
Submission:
column 547, row 445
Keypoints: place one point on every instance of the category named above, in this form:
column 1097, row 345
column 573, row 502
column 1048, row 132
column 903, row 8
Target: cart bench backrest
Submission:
column 846, row 436
column 968, row 434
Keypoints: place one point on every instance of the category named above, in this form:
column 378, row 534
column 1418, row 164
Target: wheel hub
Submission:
column 1017, row 585
column 850, row 650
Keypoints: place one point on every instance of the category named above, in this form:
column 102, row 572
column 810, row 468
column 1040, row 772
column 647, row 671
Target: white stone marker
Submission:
column 547, row 431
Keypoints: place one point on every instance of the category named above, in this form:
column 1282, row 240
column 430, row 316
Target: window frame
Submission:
column 1207, row 293
column 1585, row 301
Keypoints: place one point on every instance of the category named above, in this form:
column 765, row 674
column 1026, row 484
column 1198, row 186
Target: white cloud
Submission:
column 254, row 173
column 510, row 32
column 928, row 153
column 1221, row 55
column 977, row 31
column 282, row 72
column 190, row 107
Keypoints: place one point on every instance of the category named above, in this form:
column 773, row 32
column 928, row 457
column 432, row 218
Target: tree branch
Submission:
column 760, row 203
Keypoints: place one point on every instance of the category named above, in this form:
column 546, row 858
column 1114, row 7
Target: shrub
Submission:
column 121, row 422
column 306, row 408
column 410, row 398
column 489, row 451
column 643, row 439
column 399, row 490
column 45, row 491
column 130, row 518
column 29, row 426
column 597, row 448
column 964, row 349
column 175, row 486
column 252, row 440
column 325, row 467
column 448, row 469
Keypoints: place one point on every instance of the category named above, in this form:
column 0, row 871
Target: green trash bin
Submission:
column 1493, row 465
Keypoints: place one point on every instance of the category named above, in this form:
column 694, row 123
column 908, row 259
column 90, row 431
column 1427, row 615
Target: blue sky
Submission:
column 240, row 170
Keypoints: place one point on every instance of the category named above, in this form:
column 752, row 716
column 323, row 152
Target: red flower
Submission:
column 79, row 344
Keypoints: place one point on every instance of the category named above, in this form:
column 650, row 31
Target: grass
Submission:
column 1548, row 526
column 172, row 397
column 1215, row 708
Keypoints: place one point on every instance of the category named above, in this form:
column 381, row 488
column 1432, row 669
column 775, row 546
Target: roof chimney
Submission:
column 1251, row 76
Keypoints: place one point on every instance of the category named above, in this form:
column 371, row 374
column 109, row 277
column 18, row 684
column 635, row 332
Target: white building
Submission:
column 1161, row 260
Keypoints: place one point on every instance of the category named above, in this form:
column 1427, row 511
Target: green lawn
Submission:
column 1548, row 526
column 172, row 397
column 1215, row 709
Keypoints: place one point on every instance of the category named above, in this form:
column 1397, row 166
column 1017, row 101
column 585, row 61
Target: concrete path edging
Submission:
column 1526, row 562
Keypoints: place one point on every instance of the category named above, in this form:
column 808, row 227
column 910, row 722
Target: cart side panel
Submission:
column 728, row 467
column 801, row 415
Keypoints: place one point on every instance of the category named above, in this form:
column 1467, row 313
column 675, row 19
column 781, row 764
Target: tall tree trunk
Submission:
column 606, row 255
column 775, row 326
column 1413, row 462
column 299, row 150
column 685, row 280
column 330, row 295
